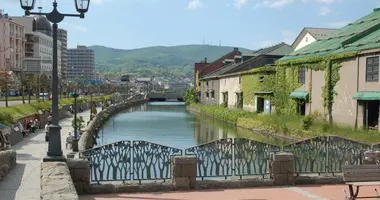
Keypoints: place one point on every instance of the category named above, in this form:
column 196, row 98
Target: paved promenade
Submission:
column 312, row 192
column 23, row 182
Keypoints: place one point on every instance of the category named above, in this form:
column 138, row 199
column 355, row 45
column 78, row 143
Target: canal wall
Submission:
column 197, row 110
column 88, row 138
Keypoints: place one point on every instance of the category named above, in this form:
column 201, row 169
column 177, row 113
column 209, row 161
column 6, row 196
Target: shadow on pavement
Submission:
column 11, row 183
column 26, row 156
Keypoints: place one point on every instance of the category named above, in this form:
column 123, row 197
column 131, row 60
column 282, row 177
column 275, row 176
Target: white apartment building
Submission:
column 80, row 64
column 39, row 53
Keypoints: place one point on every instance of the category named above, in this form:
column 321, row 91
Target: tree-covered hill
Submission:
column 156, row 61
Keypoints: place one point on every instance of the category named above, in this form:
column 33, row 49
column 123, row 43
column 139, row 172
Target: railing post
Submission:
column 184, row 172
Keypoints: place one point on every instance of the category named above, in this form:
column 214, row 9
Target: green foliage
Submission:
column 307, row 122
column 287, row 82
column 94, row 111
column 79, row 122
column 239, row 103
column 225, row 114
column 190, row 96
column 9, row 114
column 287, row 124
column 287, row 79
column 173, row 61
column 224, row 104
column 250, row 83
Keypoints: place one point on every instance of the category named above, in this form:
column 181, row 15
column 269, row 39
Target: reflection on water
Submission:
column 168, row 123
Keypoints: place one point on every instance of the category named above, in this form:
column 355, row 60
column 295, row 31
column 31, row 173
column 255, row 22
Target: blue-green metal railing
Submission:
column 142, row 160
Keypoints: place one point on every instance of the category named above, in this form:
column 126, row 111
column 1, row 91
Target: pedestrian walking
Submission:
column 69, row 141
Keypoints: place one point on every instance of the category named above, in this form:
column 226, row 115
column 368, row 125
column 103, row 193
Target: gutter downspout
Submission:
column 357, row 90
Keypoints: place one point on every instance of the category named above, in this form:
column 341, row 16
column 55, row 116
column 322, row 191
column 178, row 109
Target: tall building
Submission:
column 39, row 54
column 80, row 63
column 11, row 44
column 62, row 37
column 38, row 45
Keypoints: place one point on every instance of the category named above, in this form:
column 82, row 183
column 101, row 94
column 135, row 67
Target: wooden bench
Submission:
column 360, row 176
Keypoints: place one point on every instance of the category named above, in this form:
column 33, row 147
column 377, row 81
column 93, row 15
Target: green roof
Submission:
column 363, row 34
column 367, row 96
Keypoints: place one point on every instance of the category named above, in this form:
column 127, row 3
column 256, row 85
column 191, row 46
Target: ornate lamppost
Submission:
column 55, row 150
column 76, row 135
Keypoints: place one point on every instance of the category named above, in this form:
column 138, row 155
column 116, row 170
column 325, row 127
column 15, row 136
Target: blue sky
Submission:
column 129, row 24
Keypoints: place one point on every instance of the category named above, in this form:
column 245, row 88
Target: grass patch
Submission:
column 298, row 127
column 9, row 114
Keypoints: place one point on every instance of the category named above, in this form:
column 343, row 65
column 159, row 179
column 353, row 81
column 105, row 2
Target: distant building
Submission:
column 39, row 54
column 62, row 37
column 81, row 63
column 11, row 44
column 98, row 76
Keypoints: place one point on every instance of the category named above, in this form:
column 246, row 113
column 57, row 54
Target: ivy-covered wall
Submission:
column 287, row 80
column 250, row 83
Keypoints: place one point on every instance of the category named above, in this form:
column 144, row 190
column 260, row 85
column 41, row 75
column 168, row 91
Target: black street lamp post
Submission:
column 55, row 150
column 91, row 103
column 76, row 136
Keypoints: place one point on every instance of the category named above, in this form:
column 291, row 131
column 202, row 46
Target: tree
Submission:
column 79, row 122
column 44, row 84
column 190, row 96
column 31, row 85
column 5, row 80
column 23, row 84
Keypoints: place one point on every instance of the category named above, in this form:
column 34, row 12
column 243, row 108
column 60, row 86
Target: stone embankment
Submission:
column 89, row 136
column 7, row 162
column 56, row 182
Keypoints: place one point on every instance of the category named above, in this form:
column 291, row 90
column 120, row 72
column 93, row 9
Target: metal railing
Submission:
column 325, row 154
column 130, row 160
column 142, row 160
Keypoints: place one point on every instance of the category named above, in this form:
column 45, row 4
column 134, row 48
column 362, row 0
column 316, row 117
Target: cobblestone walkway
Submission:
column 23, row 182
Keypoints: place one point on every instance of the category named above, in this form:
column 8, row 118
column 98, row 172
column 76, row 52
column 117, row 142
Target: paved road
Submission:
column 23, row 182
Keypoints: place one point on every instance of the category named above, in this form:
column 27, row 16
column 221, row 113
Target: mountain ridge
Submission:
column 172, row 61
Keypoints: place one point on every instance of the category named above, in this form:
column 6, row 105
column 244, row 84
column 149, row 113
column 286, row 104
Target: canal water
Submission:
column 169, row 124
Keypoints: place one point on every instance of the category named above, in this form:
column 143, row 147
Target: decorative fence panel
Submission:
column 110, row 162
column 251, row 157
column 142, row 160
column 214, row 159
column 126, row 160
column 325, row 154
column 232, row 157
column 152, row 161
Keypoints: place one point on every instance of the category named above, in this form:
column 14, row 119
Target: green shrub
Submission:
column 307, row 122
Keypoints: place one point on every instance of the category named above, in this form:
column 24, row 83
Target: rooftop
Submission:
column 363, row 34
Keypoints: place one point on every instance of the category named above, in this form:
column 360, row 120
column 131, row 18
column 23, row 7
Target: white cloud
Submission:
column 239, row 3
column 338, row 24
column 323, row 11
column 274, row 3
column 194, row 4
